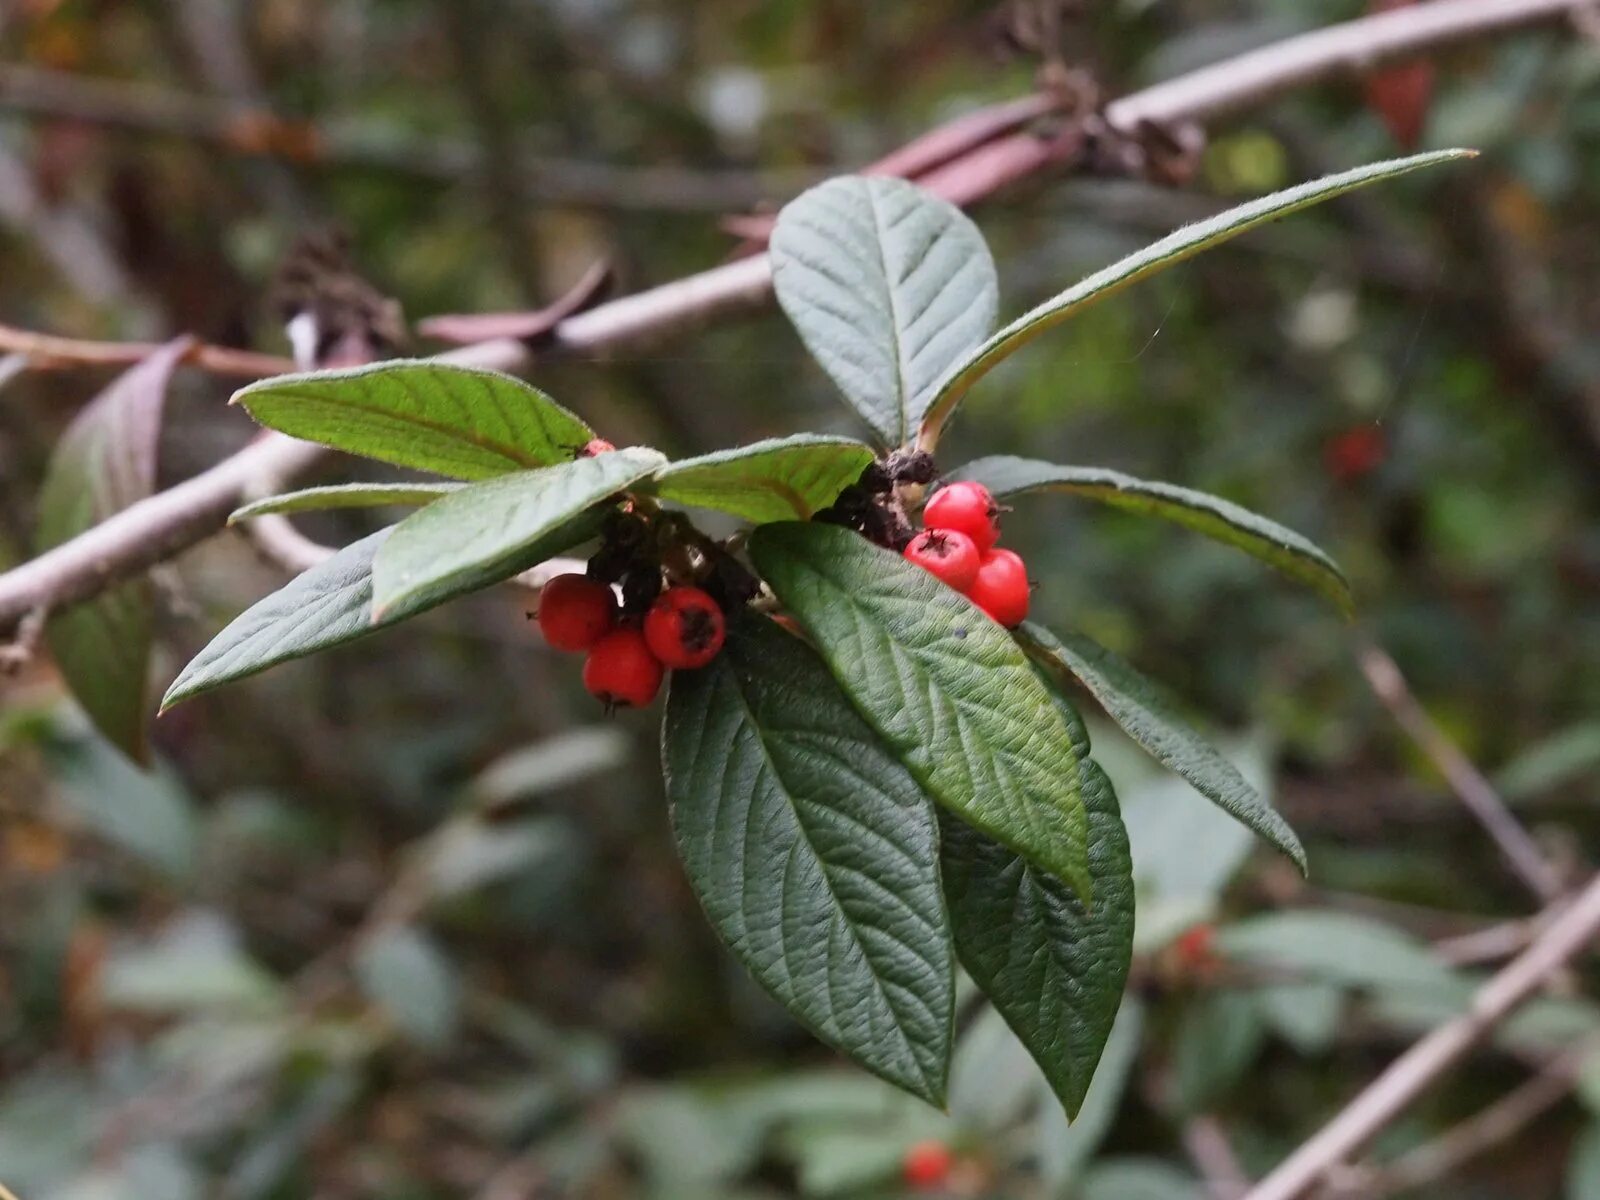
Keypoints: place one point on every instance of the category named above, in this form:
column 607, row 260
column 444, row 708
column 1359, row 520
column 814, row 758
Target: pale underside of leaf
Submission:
column 814, row 853
column 344, row 495
column 105, row 461
column 325, row 606
column 1278, row 546
column 490, row 531
column 463, row 422
column 888, row 286
column 775, row 480
column 1137, row 705
column 1175, row 248
column 944, row 686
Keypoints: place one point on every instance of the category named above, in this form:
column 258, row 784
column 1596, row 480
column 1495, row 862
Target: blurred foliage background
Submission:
column 405, row 920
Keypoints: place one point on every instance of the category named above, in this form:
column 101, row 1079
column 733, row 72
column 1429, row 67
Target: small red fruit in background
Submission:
column 575, row 612
column 1400, row 94
column 926, row 1165
column 594, row 447
column 1001, row 588
column 684, row 628
column 621, row 671
column 946, row 554
column 1355, row 452
column 967, row 508
column 1195, row 947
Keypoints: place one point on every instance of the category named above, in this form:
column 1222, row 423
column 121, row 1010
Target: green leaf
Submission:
column 943, row 685
column 458, row 421
column 105, row 461
column 1169, row 251
column 344, row 495
column 775, row 480
column 1583, row 1167
column 888, row 287
column 814, row 852
column 1336, row 947
column 325, row 606
column 1213, row 516
column 492, row 530
column 404, row 973
column 1053, row 969
column 1137, row 705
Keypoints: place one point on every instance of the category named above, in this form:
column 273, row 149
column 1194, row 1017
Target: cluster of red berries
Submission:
column 960, row 526
column 682, row 630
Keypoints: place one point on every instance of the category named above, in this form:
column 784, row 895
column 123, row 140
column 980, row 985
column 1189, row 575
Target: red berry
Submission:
column 1001, row 588
column 1196, row 945
column 1355, row 452
column 926, row 1165
column 595, row 446
column 684, row 628
column 966, row 507
column 946, row 554
column 621, row 671
column 575, row 612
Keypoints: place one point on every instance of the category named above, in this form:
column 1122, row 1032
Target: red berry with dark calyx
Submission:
column 926, row 1165
column 1001, row 588
column 967, row 508
column 684, row 628
column 594, row 447
column 621, row 671
column 946, row 554
column 575, row 612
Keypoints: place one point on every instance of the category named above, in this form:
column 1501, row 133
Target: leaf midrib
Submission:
column 805, row 835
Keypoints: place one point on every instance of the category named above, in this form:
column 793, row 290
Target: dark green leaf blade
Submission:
column 814, row 852
column 492, row 530
column 1274, row 544
column 1136, row 704
column 322, row 607
column 459, row 421
column 1175, row 248
column 775, row 480
column 343, row 495
column 1054, row 970
column 944, row 686
column 888, row 286
column 105, row 461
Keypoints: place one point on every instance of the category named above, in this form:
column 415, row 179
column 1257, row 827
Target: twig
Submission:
column 1415, row 1071
column 1468, row 783
column 20, row 650
column 43, row 351
column 164, row 524
column 281, row 544
column 1211, row 1150
column 1490, row 1127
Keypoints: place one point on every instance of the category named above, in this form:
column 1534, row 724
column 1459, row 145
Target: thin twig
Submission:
column 1468, row 783
column 1487, row 1129
column 1570, row 930
column 43, row 351
column 17, row 653
column 1211, row 1150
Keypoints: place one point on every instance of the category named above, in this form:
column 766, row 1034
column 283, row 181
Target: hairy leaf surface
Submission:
column 343, row 495
column 463, row 422
column 490, row 531
column 888, row 286
column 776, row 480
column 944, row 686
column 814, row 852
column 1280, row 547
column 1136, row 704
